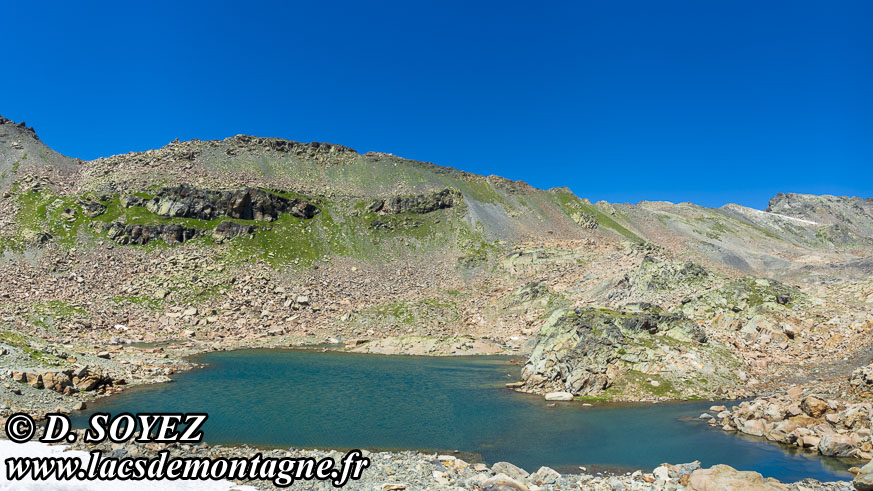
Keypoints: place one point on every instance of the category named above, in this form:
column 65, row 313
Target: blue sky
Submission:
column 710, row 102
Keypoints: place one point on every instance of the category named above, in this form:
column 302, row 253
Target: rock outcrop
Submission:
column 417, row 203
column 585, row 351
column 864, row 480
column 861, row 382
column 229, row 230
column 851, row 215
column 170, row 233
column 247, row 204
column 65, row 381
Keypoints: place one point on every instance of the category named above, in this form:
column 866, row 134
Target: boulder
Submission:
column 229, row 230
column 864, row 480
column 814, row 406
column 782, row 432
column 545, row 475
column 794, row 393
column 753, row 427
column 810, row 441
column 34, row 380
column 679, row 471
column 836, row 445
column 726, row 478
column 669, row 472
column 559, row 396
column 92, row 208
column 502, row 482
column 509, row 470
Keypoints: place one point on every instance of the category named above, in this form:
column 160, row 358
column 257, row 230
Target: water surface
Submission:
column 300, row 398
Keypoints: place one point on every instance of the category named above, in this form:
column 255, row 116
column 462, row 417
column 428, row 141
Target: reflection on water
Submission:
column 313, row 399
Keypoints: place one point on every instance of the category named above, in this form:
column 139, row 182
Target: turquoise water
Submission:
column 302, row 398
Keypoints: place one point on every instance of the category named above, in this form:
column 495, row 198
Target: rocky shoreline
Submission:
column 808, row 421
column 411, row 470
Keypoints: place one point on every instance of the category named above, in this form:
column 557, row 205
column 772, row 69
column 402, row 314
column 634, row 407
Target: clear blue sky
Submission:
column 710, row 102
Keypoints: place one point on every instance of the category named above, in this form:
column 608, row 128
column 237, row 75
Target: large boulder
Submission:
column 836, row 445
column 726, row 478
column 510, row 470
column 502, row 482
column 753, row 427
column 814, row 406
column 545, row 475
column 864, row 480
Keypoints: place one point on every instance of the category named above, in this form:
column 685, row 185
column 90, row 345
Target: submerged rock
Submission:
column 559, row 396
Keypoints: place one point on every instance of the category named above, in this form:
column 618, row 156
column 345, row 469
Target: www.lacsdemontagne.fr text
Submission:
column 282, row 472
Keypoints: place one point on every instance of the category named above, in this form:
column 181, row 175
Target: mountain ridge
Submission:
column 731, row 237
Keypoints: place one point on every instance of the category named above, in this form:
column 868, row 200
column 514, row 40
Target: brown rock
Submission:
column 814, row 406
column 794, row 393
column 753, row 427
column 502, row 482
column 726, row 478
column 810, row 441
column 864, row 480
column 35, row 380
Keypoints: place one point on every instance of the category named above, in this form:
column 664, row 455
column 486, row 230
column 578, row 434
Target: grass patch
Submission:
column 24, row 343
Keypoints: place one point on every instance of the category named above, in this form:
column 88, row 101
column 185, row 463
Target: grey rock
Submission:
column 864, row 480
column 502, row 482
column 545, row 475
column 509, row 470
column 247, row 204
column 92, row 208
